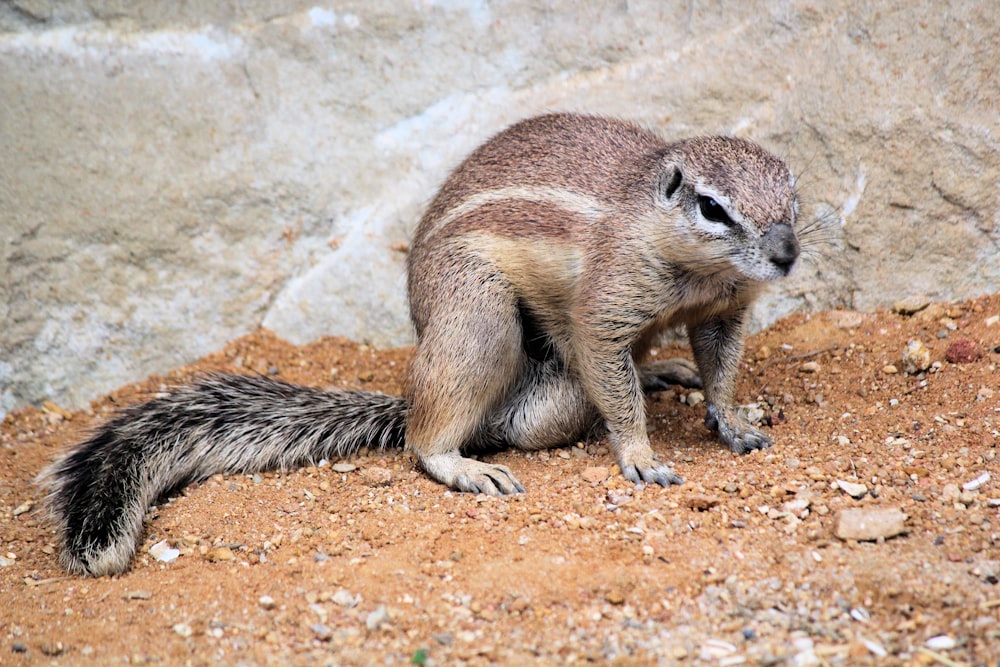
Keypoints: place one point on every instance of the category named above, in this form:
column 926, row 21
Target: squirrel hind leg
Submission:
column 469, row 359
column 549, row 408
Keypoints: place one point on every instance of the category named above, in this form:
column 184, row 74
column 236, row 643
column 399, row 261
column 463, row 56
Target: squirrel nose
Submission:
column 781, row 246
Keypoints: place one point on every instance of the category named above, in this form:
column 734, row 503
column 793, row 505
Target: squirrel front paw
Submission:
column 734, row 431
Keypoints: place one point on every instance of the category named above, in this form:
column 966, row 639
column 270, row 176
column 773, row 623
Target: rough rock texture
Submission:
column 175, row 174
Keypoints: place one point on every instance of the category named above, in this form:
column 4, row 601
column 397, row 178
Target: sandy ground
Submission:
column 741, row 565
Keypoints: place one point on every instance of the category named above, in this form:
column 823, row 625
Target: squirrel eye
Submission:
column 713, row 211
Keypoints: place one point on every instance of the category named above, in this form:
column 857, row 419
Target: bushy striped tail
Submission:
column 100, row 491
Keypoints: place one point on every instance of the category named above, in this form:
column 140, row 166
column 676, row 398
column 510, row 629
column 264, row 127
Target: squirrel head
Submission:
column 738, row 207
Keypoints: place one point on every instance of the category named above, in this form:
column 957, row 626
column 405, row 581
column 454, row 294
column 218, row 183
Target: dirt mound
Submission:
column 752, row 558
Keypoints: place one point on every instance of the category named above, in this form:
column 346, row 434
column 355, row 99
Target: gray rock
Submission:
column 174, row 176
column 321, row 631
column 911, row 304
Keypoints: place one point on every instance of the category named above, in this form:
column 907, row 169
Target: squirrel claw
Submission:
column 736, row 434
column 656, row 472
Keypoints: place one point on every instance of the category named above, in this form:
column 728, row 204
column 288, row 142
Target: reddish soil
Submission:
column 740, row 565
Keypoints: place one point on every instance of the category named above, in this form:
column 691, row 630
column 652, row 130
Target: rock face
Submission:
column 173, row 175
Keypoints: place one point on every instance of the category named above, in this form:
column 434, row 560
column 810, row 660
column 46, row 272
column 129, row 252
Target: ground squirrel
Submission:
column 541, row 274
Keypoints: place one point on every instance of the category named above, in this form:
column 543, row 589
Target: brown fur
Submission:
column 559, row 229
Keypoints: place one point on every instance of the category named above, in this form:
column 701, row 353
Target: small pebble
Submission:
column 798, row 507
column 24, row 507
column 694, row 398
column 890, row 369
column 377, row 618
column 140, row 594
column 911, row 304
column 853, row 489
column 875, row 648
column 618, row 498
column 714, row 649
column 343, row 467
column 18, row 647
column 809, row 367
column 869, row 524
column 751, row 412
column 988, row 571
column 940, row 643
column 805, row 651
column 963, row 351
column 700, row 501
column 266, row 602
column 595, row 474
column 861, row 615
column 220, row 554
column 345, row 599
column 916, row 357
column 321, row 631
column 975, row 484
column 615, row 596
column 950, row 493
column 53, row 650
column 163, row 552
column 183, row 629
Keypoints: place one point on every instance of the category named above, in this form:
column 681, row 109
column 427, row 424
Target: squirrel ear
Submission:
column 670, row 180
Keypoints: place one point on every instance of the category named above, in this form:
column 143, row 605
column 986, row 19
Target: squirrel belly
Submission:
column 540, row 275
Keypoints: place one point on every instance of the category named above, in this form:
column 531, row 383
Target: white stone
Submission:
column 183, row 629
column 940, row 643
column 163, row 552
column 977, row 483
